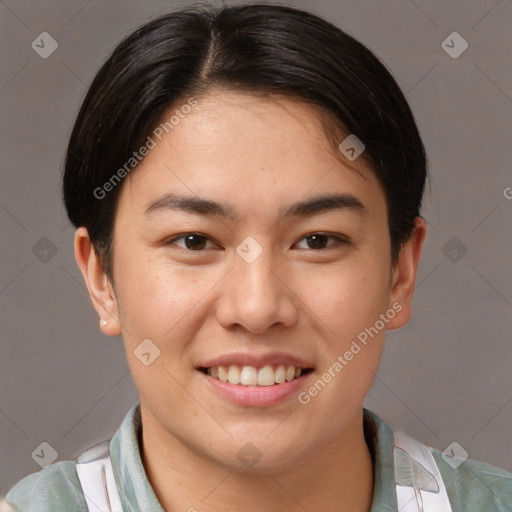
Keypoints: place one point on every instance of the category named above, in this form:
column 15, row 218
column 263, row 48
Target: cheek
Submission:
column 153, row 296
column 347, row 298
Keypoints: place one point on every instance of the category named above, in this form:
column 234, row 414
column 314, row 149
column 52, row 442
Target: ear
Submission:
column 99, row 286
column 404, row 276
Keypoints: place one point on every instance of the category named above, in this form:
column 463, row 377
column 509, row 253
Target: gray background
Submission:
column 445, row 377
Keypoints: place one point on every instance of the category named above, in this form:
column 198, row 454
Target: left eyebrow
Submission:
column 306, row 208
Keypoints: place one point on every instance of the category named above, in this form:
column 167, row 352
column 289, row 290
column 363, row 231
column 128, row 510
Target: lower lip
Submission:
column 255, row 396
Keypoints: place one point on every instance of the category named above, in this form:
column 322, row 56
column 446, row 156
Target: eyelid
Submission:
column 170, row 241
column 340, row 240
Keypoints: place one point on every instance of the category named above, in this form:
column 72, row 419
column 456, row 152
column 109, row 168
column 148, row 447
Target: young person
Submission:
column 246, row 184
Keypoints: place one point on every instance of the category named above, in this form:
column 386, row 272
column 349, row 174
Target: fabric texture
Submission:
column 472, row 486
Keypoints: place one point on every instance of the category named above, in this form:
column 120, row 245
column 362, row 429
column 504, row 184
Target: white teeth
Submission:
column 290, row 373
column 223, row 374
column 265, row 376
column 248, row 376
column 280, row 374
column 268, row 375
column 234, row 374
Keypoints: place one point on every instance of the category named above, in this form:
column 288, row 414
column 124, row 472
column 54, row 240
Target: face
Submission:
column 255, row 281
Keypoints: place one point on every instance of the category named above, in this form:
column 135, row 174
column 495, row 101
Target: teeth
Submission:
column 223, row 374
column 248, row 376
column 280, row 374
column 234, row 374
column 268, row 375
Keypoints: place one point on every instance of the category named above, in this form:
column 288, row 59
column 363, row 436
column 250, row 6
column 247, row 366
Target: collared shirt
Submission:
column 471, row 486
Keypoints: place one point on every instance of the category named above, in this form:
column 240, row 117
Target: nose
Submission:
column 257, row 295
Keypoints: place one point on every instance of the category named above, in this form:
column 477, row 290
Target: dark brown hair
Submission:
column 270, row 49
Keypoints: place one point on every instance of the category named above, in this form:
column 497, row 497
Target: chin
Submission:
column 261, row 457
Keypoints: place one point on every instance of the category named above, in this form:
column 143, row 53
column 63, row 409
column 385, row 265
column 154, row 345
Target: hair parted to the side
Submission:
column 271, row 49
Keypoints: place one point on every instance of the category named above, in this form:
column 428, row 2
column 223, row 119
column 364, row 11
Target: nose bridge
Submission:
column 256, row 277
column 256, row 298
column 257, row 286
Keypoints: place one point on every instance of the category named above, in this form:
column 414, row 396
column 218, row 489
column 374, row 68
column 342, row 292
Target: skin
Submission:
column 257, row 155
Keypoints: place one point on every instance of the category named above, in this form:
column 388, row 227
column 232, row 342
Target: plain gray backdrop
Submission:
column 444, row 378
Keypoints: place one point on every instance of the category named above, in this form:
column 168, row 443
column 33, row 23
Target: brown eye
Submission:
column 318, row 241
column 192, row 241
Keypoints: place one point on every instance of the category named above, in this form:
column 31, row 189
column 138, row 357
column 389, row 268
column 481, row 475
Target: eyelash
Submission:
column 340, row 241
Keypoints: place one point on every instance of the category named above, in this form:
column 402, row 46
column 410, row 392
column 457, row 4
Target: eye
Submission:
column 193, row 241
column 317, row 241
column 196, row 242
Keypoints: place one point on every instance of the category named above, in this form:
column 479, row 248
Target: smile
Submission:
column 268, row 375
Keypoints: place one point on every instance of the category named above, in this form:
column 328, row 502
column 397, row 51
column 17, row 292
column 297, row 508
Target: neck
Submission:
column 337, row 477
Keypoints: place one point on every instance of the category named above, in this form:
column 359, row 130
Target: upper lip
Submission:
column 244, row 359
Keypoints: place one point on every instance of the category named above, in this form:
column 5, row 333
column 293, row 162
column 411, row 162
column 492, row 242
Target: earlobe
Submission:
column 404, row 275
column 98, row 285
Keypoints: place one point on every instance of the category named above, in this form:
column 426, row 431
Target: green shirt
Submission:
column 472, row 486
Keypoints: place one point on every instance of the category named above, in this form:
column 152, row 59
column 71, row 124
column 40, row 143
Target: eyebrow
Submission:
column 306, row 208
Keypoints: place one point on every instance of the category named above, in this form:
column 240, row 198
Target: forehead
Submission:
column 248, row 150
column 286, row 124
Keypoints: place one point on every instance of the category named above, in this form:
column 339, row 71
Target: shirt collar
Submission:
column 136, row 492
column 379, row 438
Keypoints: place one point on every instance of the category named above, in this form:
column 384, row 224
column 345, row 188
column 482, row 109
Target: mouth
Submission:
column 264, row 376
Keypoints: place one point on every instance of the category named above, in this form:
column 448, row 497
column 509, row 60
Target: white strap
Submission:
column 420, row 486
column 94, row 469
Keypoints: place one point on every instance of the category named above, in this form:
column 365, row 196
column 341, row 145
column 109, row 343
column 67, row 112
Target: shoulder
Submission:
column 475, row 485
column 54, row 488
